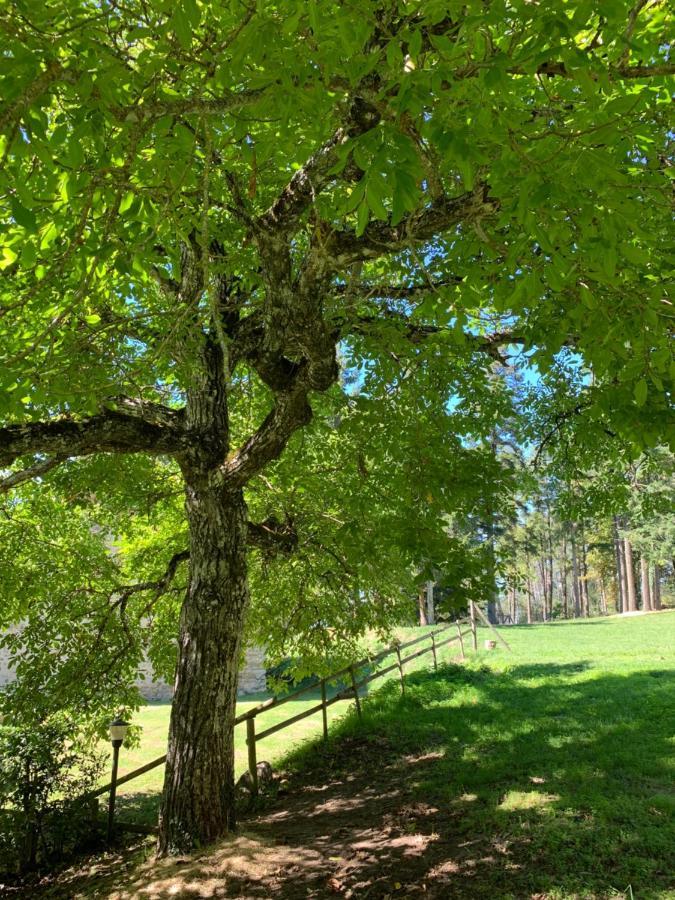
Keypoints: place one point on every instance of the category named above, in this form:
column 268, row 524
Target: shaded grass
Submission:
column 560, row 754
column 138, row 801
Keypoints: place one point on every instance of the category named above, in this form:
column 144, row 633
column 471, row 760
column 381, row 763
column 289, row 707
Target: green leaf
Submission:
column 374, row 195
column 180, row 25
column 23, row 216
column 362, row 216
column 8, row 257
column 640, row 391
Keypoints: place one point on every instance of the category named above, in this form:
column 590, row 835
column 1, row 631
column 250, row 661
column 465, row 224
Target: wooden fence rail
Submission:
column 350, row 691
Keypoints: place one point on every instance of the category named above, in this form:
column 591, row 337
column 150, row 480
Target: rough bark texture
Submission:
column 575, row 575
column 623, row 571
column 198, row 804
column 422, row 606
column 563, row 577
column 656, row 592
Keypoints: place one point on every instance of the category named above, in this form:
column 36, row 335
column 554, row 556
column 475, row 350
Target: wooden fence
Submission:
column 437, row 639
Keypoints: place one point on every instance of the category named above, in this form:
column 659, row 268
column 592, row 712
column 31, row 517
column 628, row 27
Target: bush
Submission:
column 46, row 771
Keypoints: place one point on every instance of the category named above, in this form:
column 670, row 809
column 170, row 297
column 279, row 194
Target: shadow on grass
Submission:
column 546, row 781
column 540, row 781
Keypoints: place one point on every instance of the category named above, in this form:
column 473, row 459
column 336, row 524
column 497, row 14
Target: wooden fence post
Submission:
column 400, row 669
column 489, row 624
column 324, row 711
column 356, row 691
column 252, row 759
column 433, row 650
column 474, row 637
column 461, row 639
column 113, row 790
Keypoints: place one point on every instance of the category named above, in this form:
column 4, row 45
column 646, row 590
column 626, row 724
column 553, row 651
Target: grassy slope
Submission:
column 560, row 751
column 138, row 800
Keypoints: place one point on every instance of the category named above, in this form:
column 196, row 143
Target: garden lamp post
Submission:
column 118, row 730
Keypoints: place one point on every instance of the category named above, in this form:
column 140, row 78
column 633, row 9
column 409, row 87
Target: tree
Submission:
column 197, row 199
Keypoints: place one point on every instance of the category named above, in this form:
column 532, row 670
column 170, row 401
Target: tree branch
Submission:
column 291, row 411
column 34, row 471
column 270, row 535
column 273, row 536
column 397, row 291
column 416, row 332
column 108, row 432
column 310, row 179
column 380, row 238
column 155, row 413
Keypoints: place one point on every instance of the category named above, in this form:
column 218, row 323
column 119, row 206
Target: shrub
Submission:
column 46, row 771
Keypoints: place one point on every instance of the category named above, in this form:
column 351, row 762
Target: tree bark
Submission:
column 656, row 593
column 198, row 802
column 563, row 576
column 585, row 600
column 422, row 606
column 431, row 609
column 575, row 574
column 644, row 583
column 631, row 593
column 198, row 798
column 621, row 603
column 549, row 554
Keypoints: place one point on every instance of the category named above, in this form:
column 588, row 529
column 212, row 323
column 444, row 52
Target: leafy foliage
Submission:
column 45, row 772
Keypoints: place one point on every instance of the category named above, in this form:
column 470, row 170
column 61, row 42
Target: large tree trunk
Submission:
column 585, row 600
column 631, row 594
column 431, row 609
column 563, row 576
column 644, row 583
column 198, row 798
column 198, row 802
column 549, row 548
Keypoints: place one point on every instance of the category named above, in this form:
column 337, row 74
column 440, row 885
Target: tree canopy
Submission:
column 283, row 252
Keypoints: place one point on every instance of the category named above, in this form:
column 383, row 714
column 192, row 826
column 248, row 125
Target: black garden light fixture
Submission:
column 118, row 731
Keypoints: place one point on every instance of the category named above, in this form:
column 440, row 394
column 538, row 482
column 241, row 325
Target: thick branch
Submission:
column 109, row 432
column 272, row 536
column 154, row 413
column 416, row 332
column 380, row 238
column 291, row 411
column 397, row 291
column 310, row 179
column 199, row 105
column 159, row 585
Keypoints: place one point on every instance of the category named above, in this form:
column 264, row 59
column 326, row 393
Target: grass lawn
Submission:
column 551, row 769
column 544, row 773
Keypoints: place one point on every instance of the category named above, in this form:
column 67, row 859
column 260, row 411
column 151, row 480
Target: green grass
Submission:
column 138, row 801
column 561, row 751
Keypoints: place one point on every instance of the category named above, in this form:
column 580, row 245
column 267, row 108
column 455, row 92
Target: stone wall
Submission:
column 251, row 677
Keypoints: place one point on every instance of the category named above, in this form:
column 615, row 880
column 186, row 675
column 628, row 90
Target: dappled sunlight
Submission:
column 487, row 796
column 516, row 800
